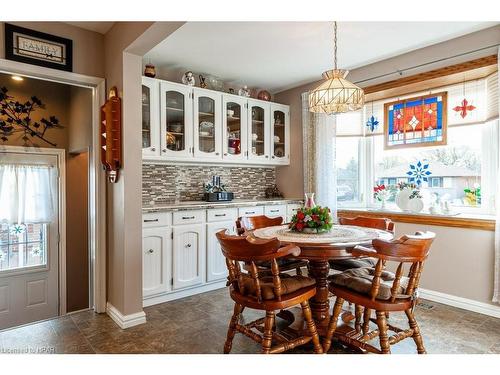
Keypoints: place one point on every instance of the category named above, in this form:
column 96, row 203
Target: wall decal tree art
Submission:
column 16, row 117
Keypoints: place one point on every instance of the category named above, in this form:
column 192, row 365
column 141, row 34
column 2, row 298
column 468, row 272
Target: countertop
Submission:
column 194, row 205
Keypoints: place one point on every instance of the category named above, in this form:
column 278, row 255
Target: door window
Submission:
column 22, row 246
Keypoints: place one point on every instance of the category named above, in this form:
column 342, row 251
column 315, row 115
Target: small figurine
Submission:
column 244, row 91
column 150, row 71
column 273, row 192
column 264, row 95
column 231, row 90
column 203, row 84
column 188, row 78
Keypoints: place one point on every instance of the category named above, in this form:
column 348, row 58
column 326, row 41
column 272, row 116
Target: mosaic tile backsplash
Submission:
column 168, row 183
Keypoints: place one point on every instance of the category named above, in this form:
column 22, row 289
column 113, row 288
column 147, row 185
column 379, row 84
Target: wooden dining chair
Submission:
column 248, row 223
column 268, row 293
column 383, row 291
column 367, row 222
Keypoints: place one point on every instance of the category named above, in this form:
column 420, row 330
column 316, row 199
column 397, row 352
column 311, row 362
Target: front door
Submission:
column 29, row 264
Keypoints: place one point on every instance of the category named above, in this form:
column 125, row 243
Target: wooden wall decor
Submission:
column 111, row 140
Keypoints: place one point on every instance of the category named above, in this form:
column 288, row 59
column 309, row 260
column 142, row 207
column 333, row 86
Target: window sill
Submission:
column 462, row 220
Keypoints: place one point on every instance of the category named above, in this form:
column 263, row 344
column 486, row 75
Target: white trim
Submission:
column 460, row 302
column 60, row 154
column 155, row 300
column 97, row 187
column 125, row 321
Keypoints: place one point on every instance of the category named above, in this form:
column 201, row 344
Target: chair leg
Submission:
column 358, row 312
column 366, row 320
column 337, row 308
column 232, row 328
column 417, row 337
column 268, row 332
column 382, row 328
column 306, row 310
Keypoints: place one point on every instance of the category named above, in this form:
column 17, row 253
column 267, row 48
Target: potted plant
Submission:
column 312, row 220
column 381, row 193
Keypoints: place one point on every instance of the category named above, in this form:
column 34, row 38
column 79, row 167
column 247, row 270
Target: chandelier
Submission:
column 336, row 94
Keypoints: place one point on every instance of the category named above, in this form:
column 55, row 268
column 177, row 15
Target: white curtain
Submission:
column 496, row 288
column 27, row 193
column 319, row 156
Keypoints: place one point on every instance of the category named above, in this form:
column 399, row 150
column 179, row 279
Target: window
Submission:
column 436, row 182
column 22, row 246
column 347, row 161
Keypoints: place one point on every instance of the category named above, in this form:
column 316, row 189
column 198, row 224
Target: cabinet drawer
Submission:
column 275, row 211
column 222, row 214
column 189, row 217
column 291, row 209
column 250, row 211
column 156, row 219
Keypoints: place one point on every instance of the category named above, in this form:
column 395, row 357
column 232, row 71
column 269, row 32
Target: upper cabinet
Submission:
column 150, row 117
column 190, row 124
column 176, row 102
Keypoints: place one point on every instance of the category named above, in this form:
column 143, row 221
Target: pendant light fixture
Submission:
column 336, row 94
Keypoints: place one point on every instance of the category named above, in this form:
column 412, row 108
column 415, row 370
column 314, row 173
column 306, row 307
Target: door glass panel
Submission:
column 279, row 134
column 176, row 128
column 206, row 124
column 258, row 133
column 22, row 246
column 146, row 117
column 233, row 115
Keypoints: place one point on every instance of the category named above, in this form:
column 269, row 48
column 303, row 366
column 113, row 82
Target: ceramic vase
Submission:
column 309, row 200
column 403, row 199
column 415, row 205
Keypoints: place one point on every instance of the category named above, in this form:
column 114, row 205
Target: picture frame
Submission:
column 37, row 48
column 416, row 122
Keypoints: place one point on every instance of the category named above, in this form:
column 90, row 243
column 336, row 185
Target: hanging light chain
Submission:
column 335, row 45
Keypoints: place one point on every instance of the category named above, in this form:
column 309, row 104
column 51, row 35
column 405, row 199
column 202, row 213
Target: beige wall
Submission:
column 80, row 118
column 88, row 46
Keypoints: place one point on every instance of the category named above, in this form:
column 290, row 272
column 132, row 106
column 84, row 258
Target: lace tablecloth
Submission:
column 339, row 234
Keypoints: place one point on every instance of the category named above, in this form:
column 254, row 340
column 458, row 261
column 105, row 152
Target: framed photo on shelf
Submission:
column 37, row 48
column 416, row 122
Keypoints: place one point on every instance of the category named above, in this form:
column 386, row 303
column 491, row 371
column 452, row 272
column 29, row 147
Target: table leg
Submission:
column 320, row 306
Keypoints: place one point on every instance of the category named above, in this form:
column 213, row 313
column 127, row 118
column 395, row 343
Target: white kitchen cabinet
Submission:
column 188, row 255
column 156, row 250
column 176, row 107
column 280, row 134
column 259, row 130
column 234, row 128
column 216, row 262
column 150, row 117
column 250, row 211
column 278, row 210
column 207, row 138
column 291, row 209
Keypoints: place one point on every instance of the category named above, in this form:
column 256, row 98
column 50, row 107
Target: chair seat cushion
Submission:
column 289, row 284
column 346, row 264
column 360, row 280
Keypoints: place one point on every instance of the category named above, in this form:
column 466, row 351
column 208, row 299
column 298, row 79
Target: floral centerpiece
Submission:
column 312, row 220
column 381, row 193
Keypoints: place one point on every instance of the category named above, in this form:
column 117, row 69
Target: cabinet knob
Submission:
column 153, row 149
column 164, row 150
column 217, row 153
column 151, row 251
column 188, row 245
column 273, row 156
column 267, row 156
column 225, row 153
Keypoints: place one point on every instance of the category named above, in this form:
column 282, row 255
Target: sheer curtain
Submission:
column 319, row 156
column 27, row 193
column 496, row 289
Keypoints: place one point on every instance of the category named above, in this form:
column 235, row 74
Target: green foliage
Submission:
column 316, row 218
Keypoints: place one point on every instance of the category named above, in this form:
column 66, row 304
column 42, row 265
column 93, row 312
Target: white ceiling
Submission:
column 99, row 27
column 281, row 55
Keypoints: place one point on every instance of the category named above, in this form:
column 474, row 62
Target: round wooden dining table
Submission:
column 319, row 249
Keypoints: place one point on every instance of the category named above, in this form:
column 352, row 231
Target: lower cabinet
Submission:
column 188, row 255
column 156, row 248
column 216, row 263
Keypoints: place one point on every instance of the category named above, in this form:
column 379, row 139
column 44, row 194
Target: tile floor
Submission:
column 198, row 324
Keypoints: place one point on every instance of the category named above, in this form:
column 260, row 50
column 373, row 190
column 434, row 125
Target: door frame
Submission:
column 61, row 200
column 97, row 180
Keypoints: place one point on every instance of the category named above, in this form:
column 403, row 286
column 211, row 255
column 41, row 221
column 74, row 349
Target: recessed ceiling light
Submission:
column 17, row 78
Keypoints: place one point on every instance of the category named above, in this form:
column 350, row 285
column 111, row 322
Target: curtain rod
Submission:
column 400, row 71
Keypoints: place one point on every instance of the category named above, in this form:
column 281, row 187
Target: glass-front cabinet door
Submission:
column 150, row 117
column 176, row 120
column 207, row 124
column 234, row 127
column 258, row 130
column 280, row 134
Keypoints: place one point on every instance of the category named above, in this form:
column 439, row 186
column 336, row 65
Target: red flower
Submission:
column 300, row 215
column 315, row 217
column 299, row 226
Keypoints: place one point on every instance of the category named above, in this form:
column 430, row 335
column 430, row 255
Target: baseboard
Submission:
column 170, row 296
column 125, row 321
column 461, row 303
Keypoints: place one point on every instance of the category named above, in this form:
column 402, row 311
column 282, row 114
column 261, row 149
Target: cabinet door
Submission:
column 176, row 121
column 234, row 127
column 207, row 124
column 188, row 255
column 280, row 134
column 216, row 262
column 150, row 117
column 156, row 248
column 259, row 130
